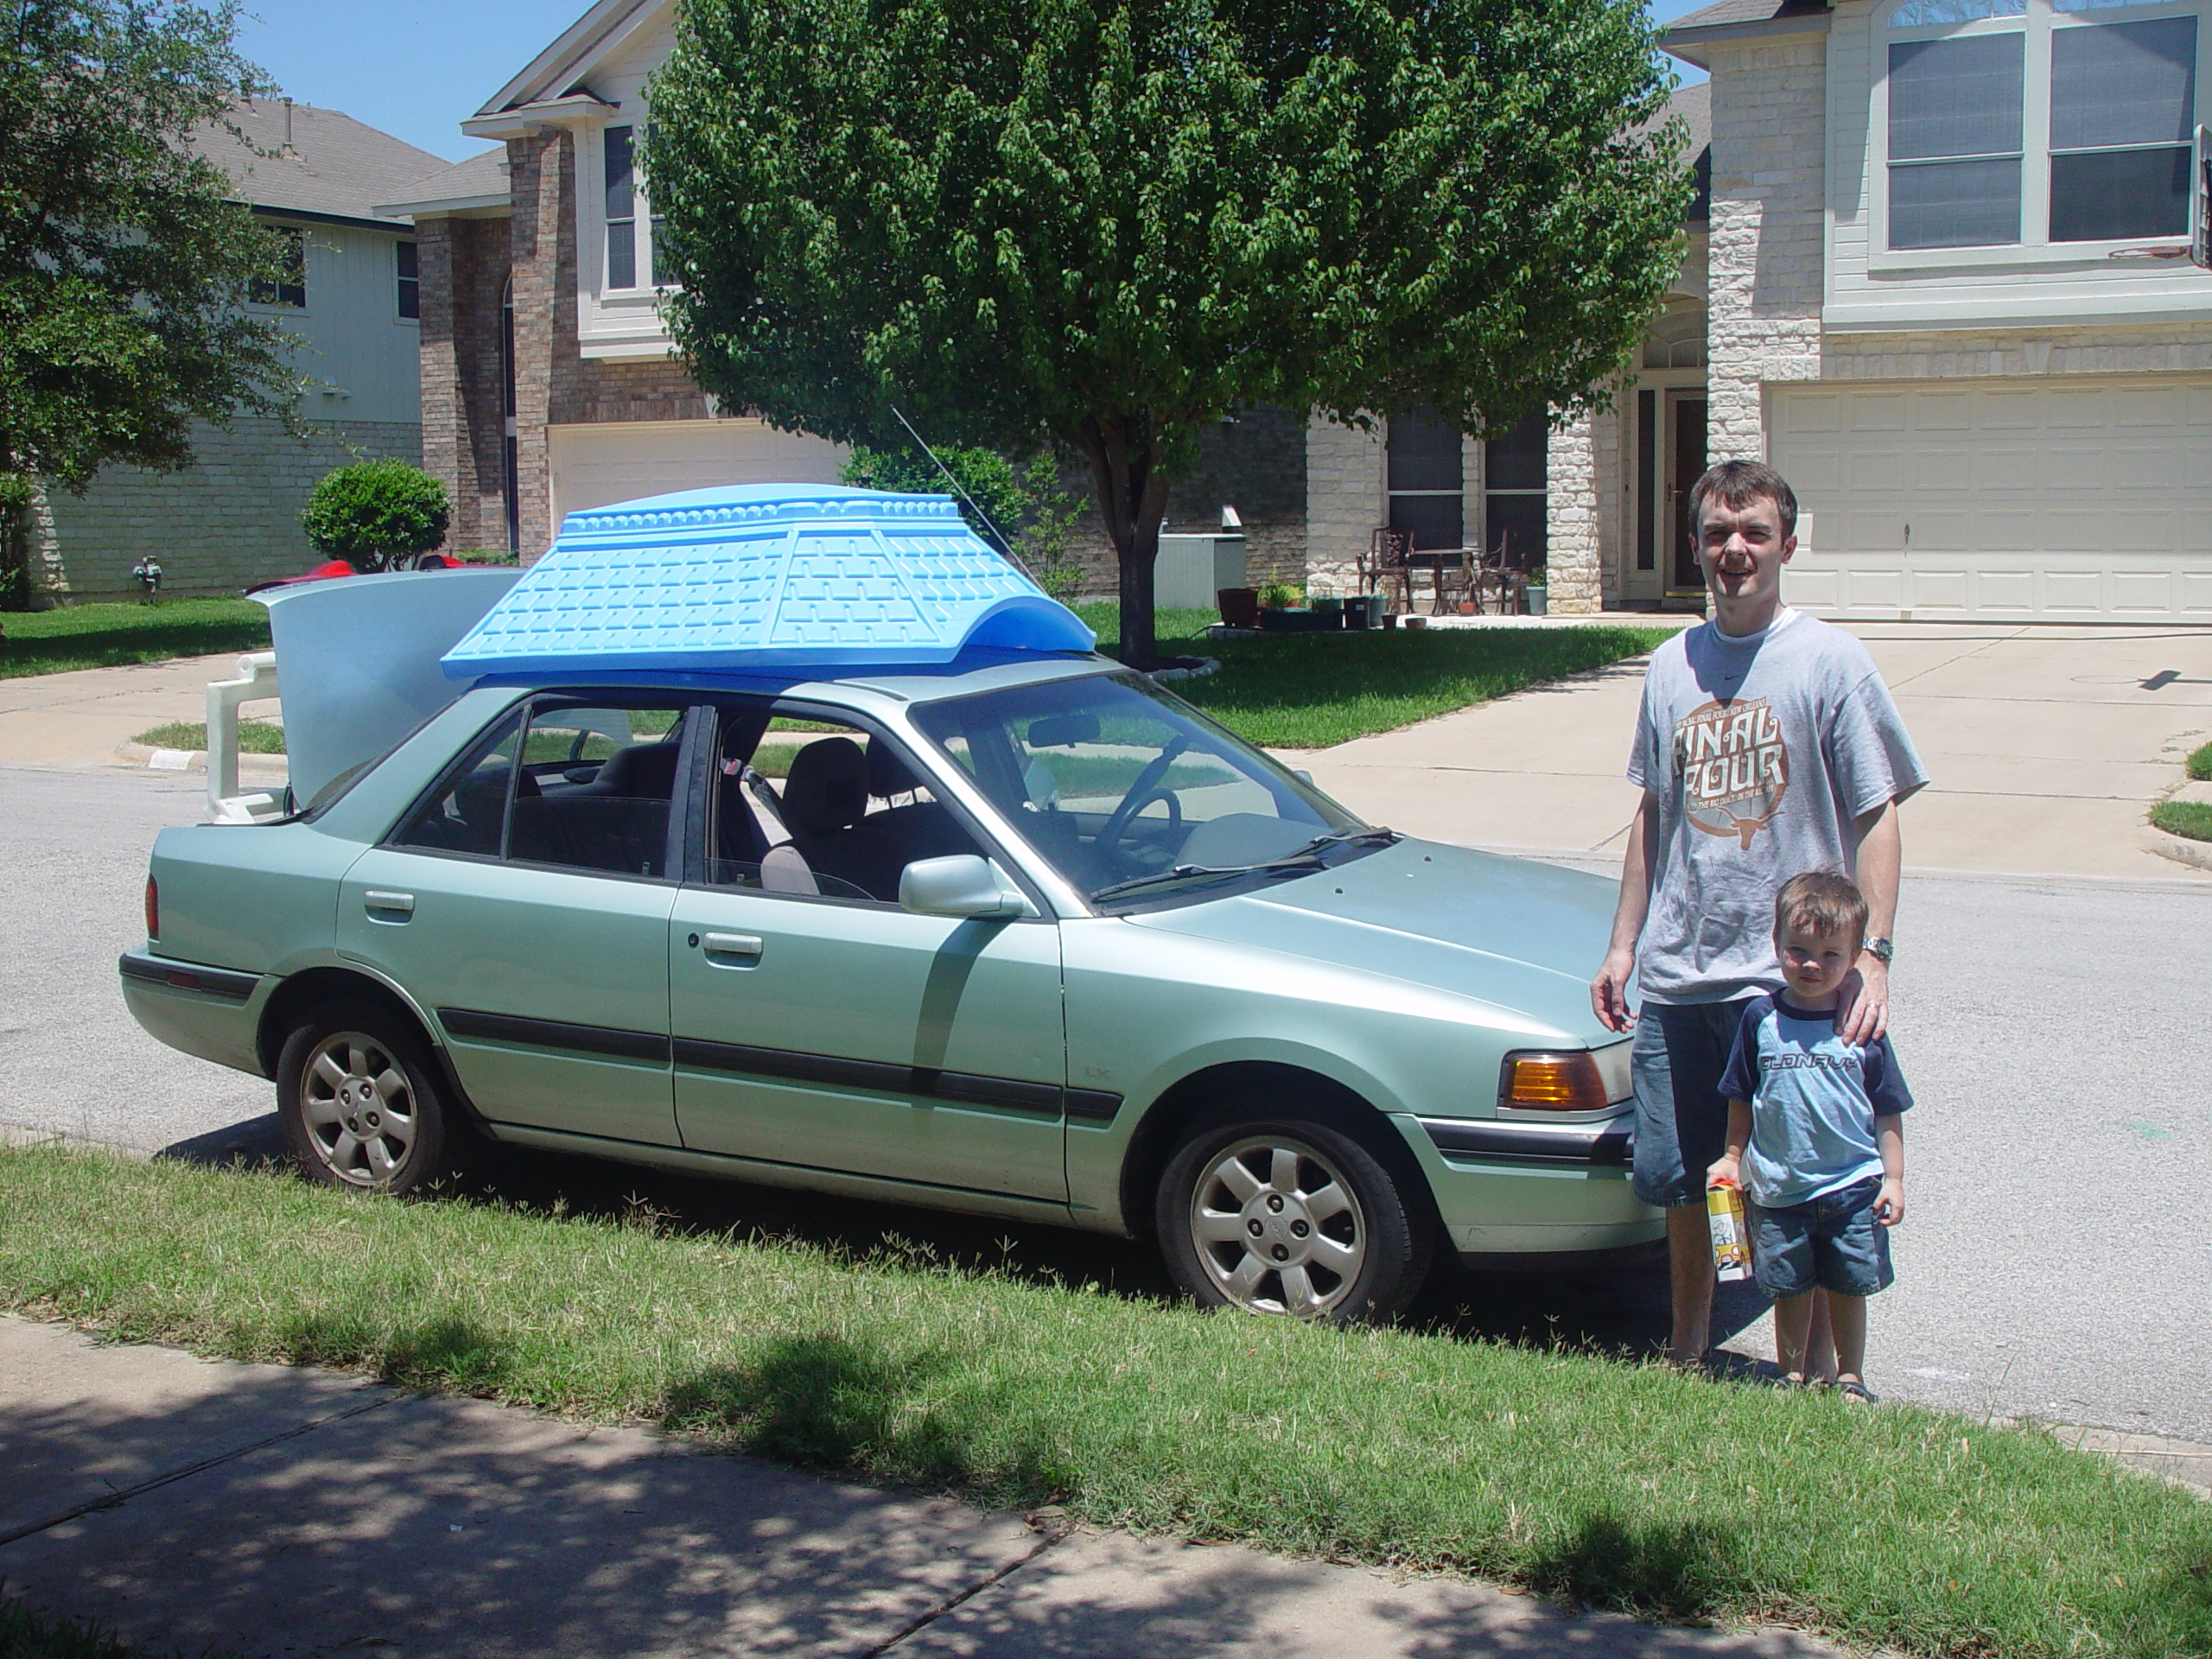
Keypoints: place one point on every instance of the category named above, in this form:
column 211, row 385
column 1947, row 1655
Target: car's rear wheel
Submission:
column 361, row 1103
column 1283, row 1214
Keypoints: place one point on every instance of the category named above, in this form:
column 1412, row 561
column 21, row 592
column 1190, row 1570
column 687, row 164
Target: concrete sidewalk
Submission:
column 275, row 1510
column 2046, row 748
column 86, row 717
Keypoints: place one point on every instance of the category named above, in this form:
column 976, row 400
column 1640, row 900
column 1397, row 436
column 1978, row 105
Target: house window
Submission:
column 2032, row 122
column 1424, row 479
column 410, row 283
column 290, row 287
column 1516, row 481
column 621, row 208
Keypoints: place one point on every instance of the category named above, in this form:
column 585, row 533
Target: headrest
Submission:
column 888, row 775
column 642, row 772
column 827, row 788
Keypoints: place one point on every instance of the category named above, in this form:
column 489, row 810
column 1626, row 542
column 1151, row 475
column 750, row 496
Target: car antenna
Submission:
column 1006, row 544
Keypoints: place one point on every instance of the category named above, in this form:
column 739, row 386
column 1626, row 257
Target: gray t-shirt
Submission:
column 1761, row 751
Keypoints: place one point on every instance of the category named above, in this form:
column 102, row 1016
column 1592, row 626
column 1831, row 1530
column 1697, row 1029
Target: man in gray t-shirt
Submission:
column 1766, row 746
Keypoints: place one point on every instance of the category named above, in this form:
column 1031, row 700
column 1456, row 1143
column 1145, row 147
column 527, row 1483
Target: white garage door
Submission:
column 2052, row 499
column 595, row 465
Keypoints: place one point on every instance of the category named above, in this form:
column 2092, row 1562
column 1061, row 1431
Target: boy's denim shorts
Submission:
column 1832, row 1241
column 1681, row 1117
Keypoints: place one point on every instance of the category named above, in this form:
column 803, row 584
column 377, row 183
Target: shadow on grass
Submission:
column 1663, row 1570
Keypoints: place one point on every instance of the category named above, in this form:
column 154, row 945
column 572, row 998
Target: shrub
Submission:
column 376, row 514
column 1281, row 596
column 1017, row 506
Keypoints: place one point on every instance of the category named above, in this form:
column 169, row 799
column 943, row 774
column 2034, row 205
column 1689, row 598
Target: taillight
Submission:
column 153, row 910
column 1552, row 1083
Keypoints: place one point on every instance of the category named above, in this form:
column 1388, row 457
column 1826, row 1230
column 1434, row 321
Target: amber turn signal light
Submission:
column 1554, row 1083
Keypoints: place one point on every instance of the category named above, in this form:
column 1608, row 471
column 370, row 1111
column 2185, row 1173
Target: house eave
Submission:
column 1688, row 44
column 569, row 56
column 576, row 110
column 395, row 226
column 499, row 207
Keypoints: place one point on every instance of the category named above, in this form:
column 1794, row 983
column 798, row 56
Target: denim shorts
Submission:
column 1832, row 1241
column 1681, row 1117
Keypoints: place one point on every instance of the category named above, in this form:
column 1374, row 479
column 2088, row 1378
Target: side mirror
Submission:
column 962, row 886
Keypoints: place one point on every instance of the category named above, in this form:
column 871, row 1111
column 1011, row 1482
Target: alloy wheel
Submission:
column 360, row 1107
column 1278, row 1228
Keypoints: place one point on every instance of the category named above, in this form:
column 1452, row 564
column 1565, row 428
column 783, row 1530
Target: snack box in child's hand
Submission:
column 1732, row 1242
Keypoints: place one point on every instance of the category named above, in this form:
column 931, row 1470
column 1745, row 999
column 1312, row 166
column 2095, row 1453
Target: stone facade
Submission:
column 230, row 519
column 1576, row 521
column 1765, row 260
column 2137, row 349
column 1345, row 500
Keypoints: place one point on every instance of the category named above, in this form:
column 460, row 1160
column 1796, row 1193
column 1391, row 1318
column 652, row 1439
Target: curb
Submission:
column 260, row 767
column 2182, row 851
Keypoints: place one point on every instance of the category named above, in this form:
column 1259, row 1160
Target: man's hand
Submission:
column 1863, row 1010
column 1889, row 1202
column 1609, row 990
column 1727, row 1167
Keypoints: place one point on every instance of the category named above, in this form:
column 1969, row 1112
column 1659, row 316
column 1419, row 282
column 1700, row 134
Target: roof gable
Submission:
column 582, row 48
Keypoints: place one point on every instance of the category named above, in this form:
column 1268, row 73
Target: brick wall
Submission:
column 234, row 519
column 1766, row 246
column 464, row 266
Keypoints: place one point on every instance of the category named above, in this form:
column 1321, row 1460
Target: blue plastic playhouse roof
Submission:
column 764, row 576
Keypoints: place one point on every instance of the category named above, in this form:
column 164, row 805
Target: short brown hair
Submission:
column 1739, row 483
column 1822, row 902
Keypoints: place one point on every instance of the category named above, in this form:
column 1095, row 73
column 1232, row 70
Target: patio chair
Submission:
column 1388, row 568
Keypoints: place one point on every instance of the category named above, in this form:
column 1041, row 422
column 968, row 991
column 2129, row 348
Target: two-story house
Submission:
column 351, row 296
column 1950, row 300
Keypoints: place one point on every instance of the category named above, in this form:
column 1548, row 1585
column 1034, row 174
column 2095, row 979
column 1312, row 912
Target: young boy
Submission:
column 1814, row 1134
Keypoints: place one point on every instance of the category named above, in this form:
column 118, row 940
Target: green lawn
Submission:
column 255, row 737
column 2189, row 818
column 1308, row 691
column 1591, row 1480
column 104, row 636
column 2200, row 764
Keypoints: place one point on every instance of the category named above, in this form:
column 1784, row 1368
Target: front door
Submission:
column 819, row 1026
column 1685, row 417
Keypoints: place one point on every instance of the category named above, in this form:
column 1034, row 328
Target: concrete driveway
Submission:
column 2046, row 748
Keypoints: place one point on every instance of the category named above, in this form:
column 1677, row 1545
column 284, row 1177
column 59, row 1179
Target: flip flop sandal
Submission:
column 1858, row 1393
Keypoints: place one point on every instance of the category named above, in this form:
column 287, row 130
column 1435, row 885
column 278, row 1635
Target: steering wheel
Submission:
column 1145, row 791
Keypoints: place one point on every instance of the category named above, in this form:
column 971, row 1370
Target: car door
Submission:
column 525, row 902
column 819, row 1026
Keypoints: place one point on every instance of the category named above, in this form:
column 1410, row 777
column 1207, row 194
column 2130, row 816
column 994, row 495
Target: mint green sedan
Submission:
column 1030, row 939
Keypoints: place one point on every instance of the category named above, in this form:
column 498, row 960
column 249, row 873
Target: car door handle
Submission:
column 732, row 950
column 388, row 906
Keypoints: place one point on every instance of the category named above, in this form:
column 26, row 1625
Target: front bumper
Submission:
column 1545, row 1192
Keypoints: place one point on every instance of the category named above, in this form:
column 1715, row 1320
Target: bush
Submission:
column 1018, row 507
column 376, row 514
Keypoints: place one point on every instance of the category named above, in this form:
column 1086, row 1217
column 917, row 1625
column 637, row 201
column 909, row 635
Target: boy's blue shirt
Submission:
column 1813, row 1098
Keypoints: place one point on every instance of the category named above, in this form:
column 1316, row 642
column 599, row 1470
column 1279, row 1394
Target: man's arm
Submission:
column 1609, row 990
column 1864, row 1013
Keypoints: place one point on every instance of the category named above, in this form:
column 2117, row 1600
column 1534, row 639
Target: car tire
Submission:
column 1279, row 1213
column 362, row 1106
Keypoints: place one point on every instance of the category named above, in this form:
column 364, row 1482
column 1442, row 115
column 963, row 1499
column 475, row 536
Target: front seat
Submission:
column 825, row 794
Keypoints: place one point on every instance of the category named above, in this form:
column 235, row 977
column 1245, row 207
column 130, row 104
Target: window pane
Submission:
column 1424, row 452
column 411, row 289
column 622, row 173
column 1956, row 98
column 290, row 289
column 466, row 814
column 1925, row 13
column 1519, row 527
column 1955, row 205
column 1520, row 459
column 2100, row 195
column 1435, row 520
column 595, row 788
column 2123, row 84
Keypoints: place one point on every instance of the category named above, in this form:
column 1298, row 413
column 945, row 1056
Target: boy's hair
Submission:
column 1820, row 902
column 1738, row 484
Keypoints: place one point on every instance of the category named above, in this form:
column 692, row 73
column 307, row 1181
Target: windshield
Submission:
column 1135, row 796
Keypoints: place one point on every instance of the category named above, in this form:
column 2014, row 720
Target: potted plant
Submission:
column 1538, row 591
column 1283, row 610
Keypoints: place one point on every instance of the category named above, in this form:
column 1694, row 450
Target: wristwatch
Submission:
column 1881, row 950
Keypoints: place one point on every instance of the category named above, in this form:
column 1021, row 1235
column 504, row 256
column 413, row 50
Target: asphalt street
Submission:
column 2056, row 1260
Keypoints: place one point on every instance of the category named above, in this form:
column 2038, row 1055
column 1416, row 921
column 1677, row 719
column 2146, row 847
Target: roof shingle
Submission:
column 317, row 161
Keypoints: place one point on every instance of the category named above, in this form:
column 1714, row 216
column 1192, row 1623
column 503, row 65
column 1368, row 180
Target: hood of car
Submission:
column 1511, row 932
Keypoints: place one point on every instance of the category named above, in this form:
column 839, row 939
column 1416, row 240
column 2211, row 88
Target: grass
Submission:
column 26, row 1634
column 104, row 636
column 2190, row 818
column 255, row 737
column 2200, row 764
column 1595, row 1480
column 1308, row 691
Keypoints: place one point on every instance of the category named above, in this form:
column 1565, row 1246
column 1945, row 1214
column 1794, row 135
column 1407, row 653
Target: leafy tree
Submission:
column 999, row 500
column 122, row 263
column 375, row 513
column 1100, row 225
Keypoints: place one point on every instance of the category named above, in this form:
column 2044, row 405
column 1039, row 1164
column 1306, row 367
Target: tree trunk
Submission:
column 17, row 515
column 1132, row 500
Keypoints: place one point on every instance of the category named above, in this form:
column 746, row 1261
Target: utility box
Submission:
column 1193, row 568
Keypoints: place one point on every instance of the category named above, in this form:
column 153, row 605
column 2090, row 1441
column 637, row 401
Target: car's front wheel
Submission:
column 361, row 1105
column 1279, row 1213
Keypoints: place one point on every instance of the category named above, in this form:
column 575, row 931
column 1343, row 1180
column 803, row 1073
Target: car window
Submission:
column 594, row 786
column 1116, row 782
column 819, row 808
column 467, row 813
